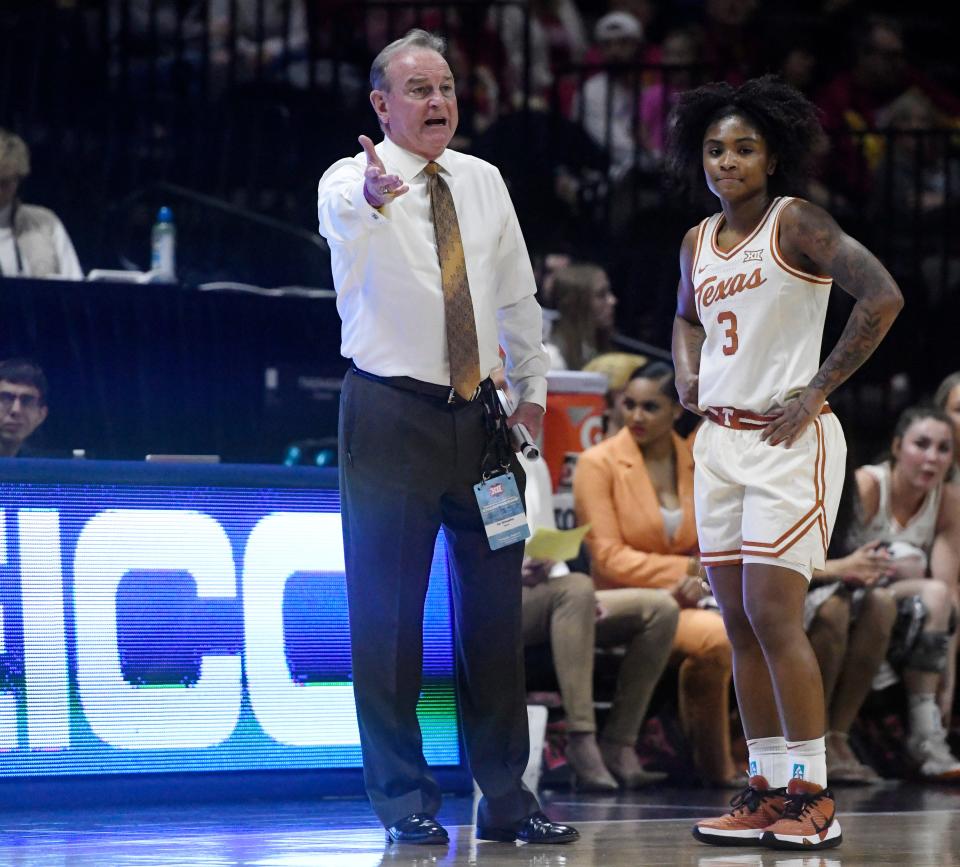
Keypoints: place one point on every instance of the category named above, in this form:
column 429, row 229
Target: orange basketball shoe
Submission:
column 809, row 820
column 754, row 810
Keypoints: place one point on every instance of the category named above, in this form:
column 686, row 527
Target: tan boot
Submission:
column 590, row 774
column 621, row 760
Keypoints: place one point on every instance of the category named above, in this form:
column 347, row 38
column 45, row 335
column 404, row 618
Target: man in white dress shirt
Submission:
column 432, row 276
column 33, row 241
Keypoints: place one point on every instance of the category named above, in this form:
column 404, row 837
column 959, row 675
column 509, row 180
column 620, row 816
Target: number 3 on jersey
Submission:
column 730, row 318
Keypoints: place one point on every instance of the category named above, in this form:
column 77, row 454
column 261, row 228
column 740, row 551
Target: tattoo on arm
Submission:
column 688, row 339
column 694, row 339
column 861, row 336
column 859, row 273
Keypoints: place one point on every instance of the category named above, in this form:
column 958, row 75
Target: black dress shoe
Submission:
column 418, row 828
column 535, row 828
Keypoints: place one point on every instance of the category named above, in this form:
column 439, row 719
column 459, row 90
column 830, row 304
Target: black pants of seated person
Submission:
column 408, row 464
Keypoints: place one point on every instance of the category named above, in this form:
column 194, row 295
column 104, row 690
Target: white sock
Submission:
column 807, row 760
column 924, row 714
column 768, row 759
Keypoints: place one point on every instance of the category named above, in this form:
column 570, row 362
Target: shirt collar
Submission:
column 6, row 216
column 410, row 164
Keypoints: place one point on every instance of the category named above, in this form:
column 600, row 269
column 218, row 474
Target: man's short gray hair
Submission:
column 415, row 38
column 14, row 154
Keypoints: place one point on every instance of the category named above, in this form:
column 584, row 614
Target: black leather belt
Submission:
column 443, row 393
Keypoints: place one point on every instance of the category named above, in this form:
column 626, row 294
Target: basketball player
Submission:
column 754, row 284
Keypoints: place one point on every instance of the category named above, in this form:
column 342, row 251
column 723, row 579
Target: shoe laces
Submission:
column 750, row 798
column 798, row 805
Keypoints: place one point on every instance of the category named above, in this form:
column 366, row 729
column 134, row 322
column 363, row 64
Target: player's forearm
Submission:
column 879, row 301
column 869, row 321
column 688, row 341
column 687, row 345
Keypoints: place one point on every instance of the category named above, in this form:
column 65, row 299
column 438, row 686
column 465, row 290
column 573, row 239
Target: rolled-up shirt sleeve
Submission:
column 521, row 331
column 343, row 212
column 519, row 317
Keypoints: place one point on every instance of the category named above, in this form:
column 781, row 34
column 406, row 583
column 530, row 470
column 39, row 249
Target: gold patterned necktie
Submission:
column 462, row 346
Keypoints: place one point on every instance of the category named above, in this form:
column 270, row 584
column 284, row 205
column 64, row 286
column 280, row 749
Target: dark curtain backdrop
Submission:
column 169, row 369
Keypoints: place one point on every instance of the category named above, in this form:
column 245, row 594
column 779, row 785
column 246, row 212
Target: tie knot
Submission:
column 431, row 168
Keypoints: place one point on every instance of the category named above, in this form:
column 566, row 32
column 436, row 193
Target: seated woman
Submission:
column 617, row 367
column 849, row 617
column 562, row 608
column 636, row 492
column 909, row 505
column 947, row 397
column 585, row 307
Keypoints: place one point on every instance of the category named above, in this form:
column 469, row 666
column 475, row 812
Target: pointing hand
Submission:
column 379, row 187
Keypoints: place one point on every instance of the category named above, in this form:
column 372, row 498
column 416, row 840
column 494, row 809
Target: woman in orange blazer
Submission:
column 636, row 492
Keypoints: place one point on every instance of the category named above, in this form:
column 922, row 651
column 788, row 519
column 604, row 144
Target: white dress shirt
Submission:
column 387, row 274
column 17, row 256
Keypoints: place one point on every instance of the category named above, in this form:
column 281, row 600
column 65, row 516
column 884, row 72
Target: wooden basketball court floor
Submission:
column 902, row 824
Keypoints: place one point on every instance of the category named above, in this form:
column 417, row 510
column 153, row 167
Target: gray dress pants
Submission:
column 408, row 463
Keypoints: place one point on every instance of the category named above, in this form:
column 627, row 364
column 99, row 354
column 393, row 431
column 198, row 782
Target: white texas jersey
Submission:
column 763, row 318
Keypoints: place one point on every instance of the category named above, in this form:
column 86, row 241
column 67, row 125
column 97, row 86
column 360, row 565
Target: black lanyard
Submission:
column 498, row 453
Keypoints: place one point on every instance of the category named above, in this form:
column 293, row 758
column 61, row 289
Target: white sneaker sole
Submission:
column 833, row 836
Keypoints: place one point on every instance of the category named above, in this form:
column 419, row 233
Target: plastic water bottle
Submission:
column 163, row 245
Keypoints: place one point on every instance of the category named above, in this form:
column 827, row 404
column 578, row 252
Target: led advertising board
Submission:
column 159, row 619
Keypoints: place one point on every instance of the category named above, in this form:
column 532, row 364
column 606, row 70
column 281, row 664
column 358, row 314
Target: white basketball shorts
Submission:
column 758, row 503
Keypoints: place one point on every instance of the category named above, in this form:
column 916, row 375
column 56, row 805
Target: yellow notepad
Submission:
column 559, row 545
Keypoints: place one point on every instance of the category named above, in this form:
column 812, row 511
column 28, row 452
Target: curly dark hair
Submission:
column 786, row 119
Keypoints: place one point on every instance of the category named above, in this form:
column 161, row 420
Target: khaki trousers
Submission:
column 562, row 611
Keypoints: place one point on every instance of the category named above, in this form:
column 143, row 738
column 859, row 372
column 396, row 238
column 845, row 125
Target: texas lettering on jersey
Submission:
column 710, row 290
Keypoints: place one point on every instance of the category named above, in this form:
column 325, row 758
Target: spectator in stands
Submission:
column 158, row 45
column 584, row 327
column 561, row 607
column 914, row 183
column 545, row 270
column 260, row 41
column 849, row 617
column 557, row 38
column 679, row 54
column 618, row 367
column 646, row 12
column 23, row 404
column 33, row 241
column 798, row 65
column 909, row 506
column 917, row 168
column 947, row 397
column 855, row 100
column 732, row 41
column 608, row 105
column 636, row 492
